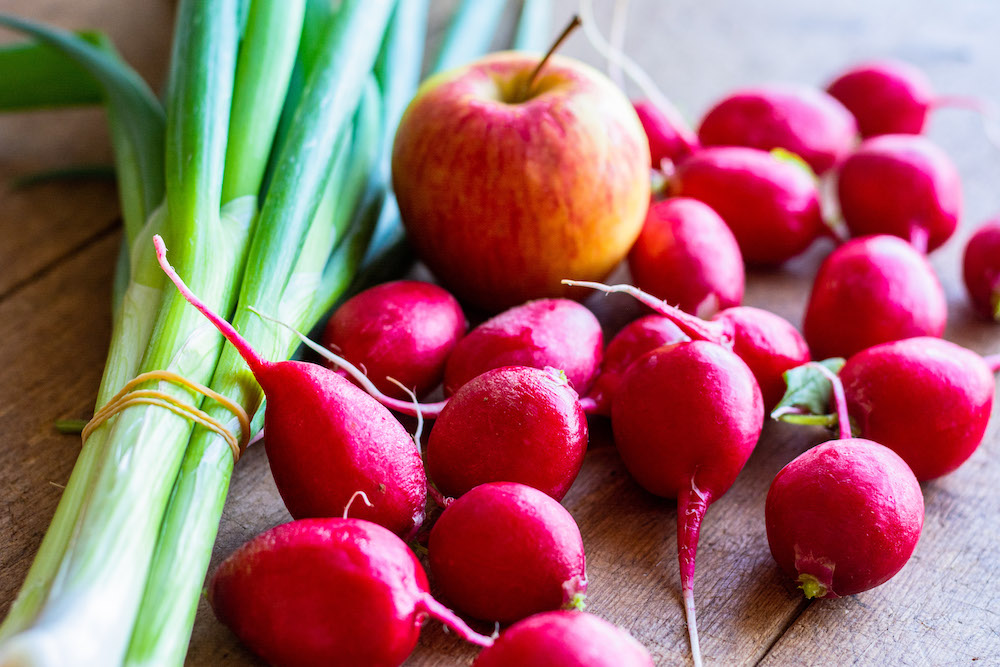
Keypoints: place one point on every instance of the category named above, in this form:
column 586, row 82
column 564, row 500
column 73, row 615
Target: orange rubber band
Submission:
column 129, row 396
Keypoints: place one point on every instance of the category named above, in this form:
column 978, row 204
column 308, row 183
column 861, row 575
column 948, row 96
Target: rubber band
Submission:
column 129, row 396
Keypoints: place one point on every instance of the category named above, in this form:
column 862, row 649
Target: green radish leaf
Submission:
column 37, row 76
column 807, row 399
column 135, row 116
column 793, row 159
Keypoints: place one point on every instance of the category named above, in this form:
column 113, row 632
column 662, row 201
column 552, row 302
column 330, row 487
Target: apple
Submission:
column 505, row 188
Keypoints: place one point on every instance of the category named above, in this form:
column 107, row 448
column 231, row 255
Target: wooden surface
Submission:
column 58, row 243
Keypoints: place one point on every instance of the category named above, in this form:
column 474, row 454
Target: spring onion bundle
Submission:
column 266, row 171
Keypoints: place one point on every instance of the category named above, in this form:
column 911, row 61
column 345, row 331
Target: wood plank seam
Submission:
column 802, row 607
column 112, row 227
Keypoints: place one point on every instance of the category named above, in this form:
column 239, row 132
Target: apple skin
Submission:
column 503, row 200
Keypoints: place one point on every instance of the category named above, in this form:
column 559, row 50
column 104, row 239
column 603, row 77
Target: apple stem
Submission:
column 573, row 24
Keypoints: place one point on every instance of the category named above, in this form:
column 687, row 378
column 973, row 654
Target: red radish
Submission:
column 328, row 591
column 510, row 424
column 687, row 256
column 771, row 204
column 327, row 439
column 924, row 398
column 634, row 340
column 766, row 342
column 800, row 119
column 900, row 184
column 843, row 517
column 564, row 639
column 404, row 330
column 670, row 138
column 869, row 291
column 885, row 97
column 505, row 551
column 685, row 419
column 981, row 269
column 547, row 332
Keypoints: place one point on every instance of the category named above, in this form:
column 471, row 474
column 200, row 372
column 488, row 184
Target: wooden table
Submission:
column 57, row 249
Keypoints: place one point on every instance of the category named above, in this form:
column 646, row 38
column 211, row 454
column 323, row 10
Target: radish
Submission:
column 328, row 591
column 843, row 517
column 564, row 639
column 547, row 332
column 404, row 330
column 771, row 204
column 846, row 515
column 766, row 342
column 981, row 269
column 634, row 340
column 900, row 184
column 894, row 97
column 327, row 439
column 872, row 290
column 800, row 119
column 687, row 256
column 505, row 551
column 510, row 424
column 670, row 138
column 685, row 419
column 925, row 398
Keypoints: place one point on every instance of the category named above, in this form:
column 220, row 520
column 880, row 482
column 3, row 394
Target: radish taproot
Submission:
column 872, row 290
column 670, row 138
column 800, row 119
column 404, row 330
column 770, row 203
column 843, row 517
column 510, row 424
column 687, row 256
column 900, row 184
column 926, row 399
column 634, row 340
column 504, row 551
column 766, row 342
column 685, row 420
column 546, row 332
column 564, row 639
column 330, row 591
column 327, row 439
column 981, row 269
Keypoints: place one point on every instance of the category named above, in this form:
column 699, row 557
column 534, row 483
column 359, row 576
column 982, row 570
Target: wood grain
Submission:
column 57, row 245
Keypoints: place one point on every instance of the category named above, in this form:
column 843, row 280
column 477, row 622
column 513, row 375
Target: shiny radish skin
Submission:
column 403, row 329
column 685, row 420
column 634, row 340
column 800, row 119
column 885, row 97
column 981, row 270
column 505, row 551
column 327, row 591
column 771, row 205
column 687, row 256
column 556, row 333
column 901, row 184
column 510, row 424
column 670, row 138
column 843, row 517
column 768, row 344
column 327, row 439
column 872, row 290
column 926, row 399
column 564, row 639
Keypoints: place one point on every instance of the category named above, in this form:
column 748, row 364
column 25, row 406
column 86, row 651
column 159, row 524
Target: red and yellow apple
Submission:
column 505, row 190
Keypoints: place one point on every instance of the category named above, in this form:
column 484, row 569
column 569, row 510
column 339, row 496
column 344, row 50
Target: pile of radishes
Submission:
column 686, row 388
